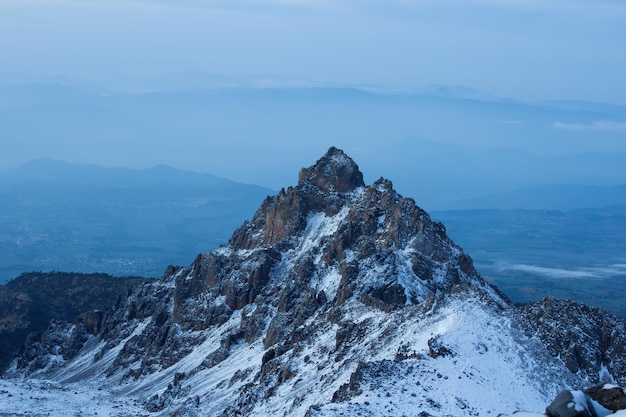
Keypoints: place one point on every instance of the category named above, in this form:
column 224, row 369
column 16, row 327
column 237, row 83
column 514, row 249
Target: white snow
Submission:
column 488, row 372
column 599, row 410
column 43, row 398
column 319, row 225
column 414, row 288
column 580, row 401
column 328, row 282
column 84, row 366
column 605, row 374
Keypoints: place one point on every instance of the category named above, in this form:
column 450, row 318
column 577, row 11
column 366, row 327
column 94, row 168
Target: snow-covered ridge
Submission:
column 402, row 363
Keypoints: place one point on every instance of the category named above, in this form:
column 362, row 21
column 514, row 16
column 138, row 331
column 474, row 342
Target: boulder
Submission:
column 570, row 404
column 608, row 396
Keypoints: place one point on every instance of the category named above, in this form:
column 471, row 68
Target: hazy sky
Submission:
column 527, row 49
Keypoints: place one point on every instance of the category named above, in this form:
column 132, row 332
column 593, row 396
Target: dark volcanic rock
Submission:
column 436, row 349
column 564, row 405
column 322, row 187
column 29, row 302
column 335, row 171
column 608, row 396
column 588, row 340
column 598, row 401
column 60, row 339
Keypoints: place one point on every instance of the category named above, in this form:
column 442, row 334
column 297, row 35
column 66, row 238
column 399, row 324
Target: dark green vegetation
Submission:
column 66, row 217
column 578, row 254
column 29, row 302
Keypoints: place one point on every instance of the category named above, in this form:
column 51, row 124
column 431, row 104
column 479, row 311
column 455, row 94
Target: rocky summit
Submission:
column 336, row 298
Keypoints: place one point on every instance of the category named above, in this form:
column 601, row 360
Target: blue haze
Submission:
column 224, row 87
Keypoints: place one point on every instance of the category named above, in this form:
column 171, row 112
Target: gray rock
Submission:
column 586, row 339
column 564, row 405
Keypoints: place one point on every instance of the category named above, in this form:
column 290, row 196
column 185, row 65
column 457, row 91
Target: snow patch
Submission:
column 327, row 282
column 44, row 398
column 485, row 373
column 605, row 375
column 414, row 288
column 580, row 401
column 599, row 410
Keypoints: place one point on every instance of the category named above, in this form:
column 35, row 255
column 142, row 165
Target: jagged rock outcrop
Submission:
column 31, row 301
column 332, row 296
column 589, row 341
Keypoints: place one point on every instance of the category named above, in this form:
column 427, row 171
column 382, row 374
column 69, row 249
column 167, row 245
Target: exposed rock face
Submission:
column 29, row 302
column 334, row 172
column 588, row 340
column 332, row 293
column 611, row 397
column 324, row 187
column 566, row 405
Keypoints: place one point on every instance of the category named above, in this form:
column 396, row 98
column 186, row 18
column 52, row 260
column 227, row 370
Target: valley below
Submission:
column 529, row 254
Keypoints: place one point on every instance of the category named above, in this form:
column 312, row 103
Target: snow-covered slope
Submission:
column 463, row 359
column 335, row 298
column 44, row 398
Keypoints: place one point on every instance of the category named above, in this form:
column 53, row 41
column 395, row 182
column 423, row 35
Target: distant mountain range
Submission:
column 551, row 197
column 472, row 144
column 449, row 176
column 60, row 216
column 530, row 254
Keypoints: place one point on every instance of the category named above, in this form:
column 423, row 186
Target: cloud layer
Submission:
column 613, row 270
column 599, row 125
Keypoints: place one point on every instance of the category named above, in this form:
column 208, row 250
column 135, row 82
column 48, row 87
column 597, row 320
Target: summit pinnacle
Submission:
column 335, row 171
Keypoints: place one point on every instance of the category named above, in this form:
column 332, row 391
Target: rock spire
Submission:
column 335, row 171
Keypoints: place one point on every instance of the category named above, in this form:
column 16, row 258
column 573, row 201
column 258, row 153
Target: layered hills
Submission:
column 60, row 216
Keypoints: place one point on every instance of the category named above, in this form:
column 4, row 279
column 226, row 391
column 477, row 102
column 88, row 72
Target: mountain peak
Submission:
column 335, row 171
column 334, row 296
